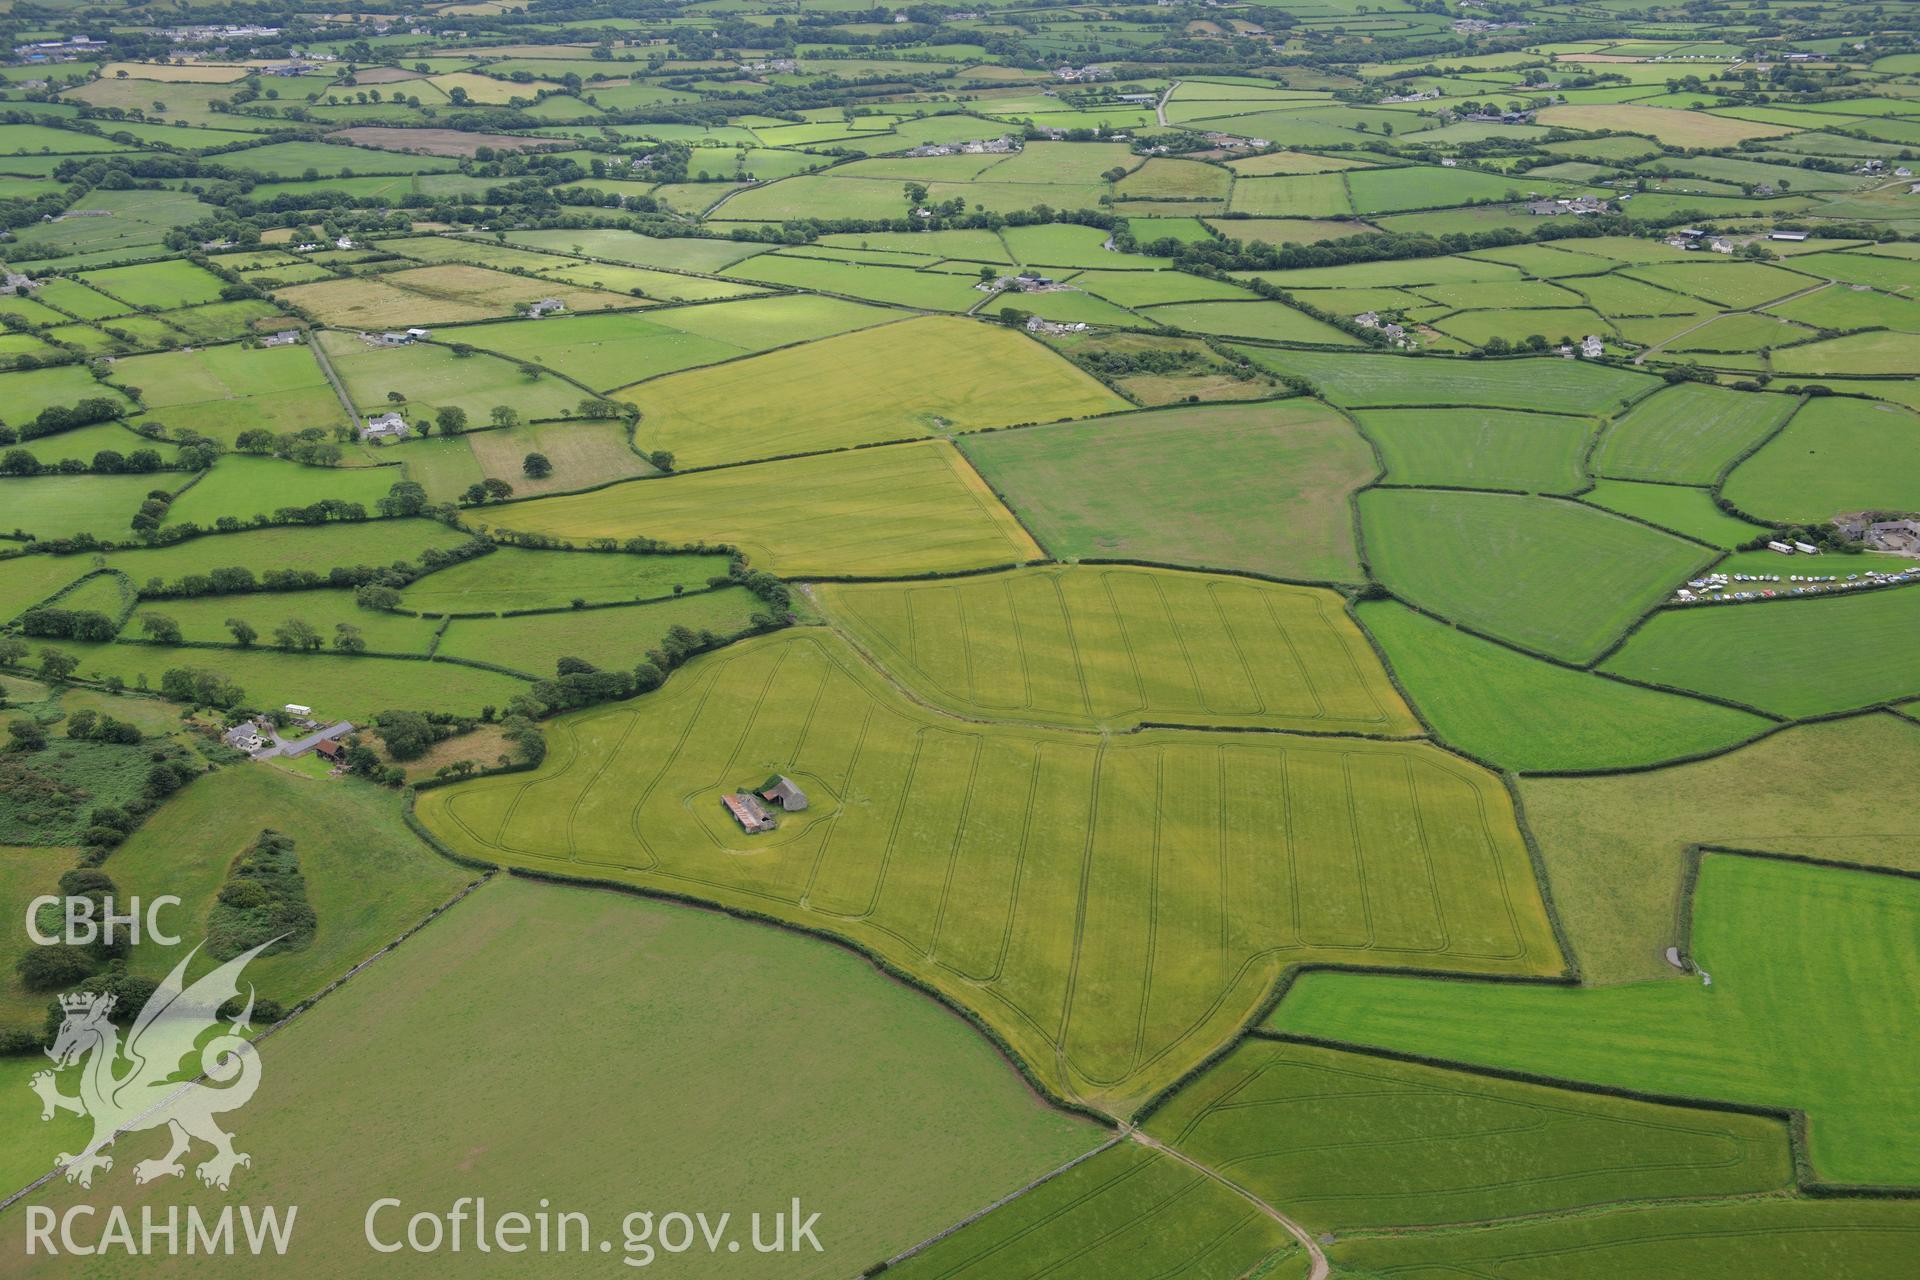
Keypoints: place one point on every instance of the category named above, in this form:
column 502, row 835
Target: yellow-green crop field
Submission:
column 1112, row 907
column 931, row 376
column 1113, row 647
column 912, row 508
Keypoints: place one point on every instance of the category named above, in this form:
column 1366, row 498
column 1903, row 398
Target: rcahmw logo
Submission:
column 137, row 1086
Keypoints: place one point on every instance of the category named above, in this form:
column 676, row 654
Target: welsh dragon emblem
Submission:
column 140, row 1085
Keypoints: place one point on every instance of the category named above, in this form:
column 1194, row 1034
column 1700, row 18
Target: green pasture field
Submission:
column 139, row 224
column 635, row 250
column 1557, row 325
column 1271, row 321
column 1163, row 178
column 203, row 619
column 1408, row 272
column 83, row 442
column 1853, row 308
column 900, row 286
column 1673, row 128
column 246, row 487
column 447, row 293
column 59, row 506
column 1148, row 288
column 1287, row 230
column 1876, row 353
column 583, row 454
column 1527, row 715
column 1741, row 332
column 1261, row 487
column 666, row 286
column 967, row 244
column 471, row 249
column 1838, row 454
column 1420, row 1146
column 1284, row 162
column 25, row 392
column 607, row 351
column 1726, row 284
column 924, row 867
column 1614, row 847
column 1495, row 294
column 293, row 159
column 1792, row 657
column 1128, row 1213
column 353, row 687
column 843, row 391
column 1546, row 574
column 1784, row 1023
column 311, row 547
column 1687, row 434
column 26, row 580
column 223, row 321
column 856, row 1092
column 76, row 299
column 911, row 508
column 1724, row 1240
column 1059, row 244
column 516, row 578
column 612, row 638
column 1418, row 187
column 1875, row 269
column 1480, row 448
column 1688, row 511
column 1310, row 195
column 223, row 390
column 1617, row 295
column 429, row 376
column 1115, row 647
column 156, row 285
column 1360, row 381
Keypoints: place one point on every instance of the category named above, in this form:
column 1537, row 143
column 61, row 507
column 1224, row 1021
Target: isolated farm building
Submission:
column 1787, row 235
column 313, row 741
column 783, row 791
column 284, row 338
column 1449, row 163
column 388, row 426
column 1591, row 347
column 392, row 338
column 419, row 334
column 329, row 749
column 16, row 283
column 1721, row 246
column 246, row 736
column 545, row 307
column 749, row 812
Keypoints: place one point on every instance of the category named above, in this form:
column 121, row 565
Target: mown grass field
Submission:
column 810, row 1075
column 1130, row 1212
column 1115, row 647
column 1794, row 658
column 1687, row 434
column 61, row 506
column 430, row 378
column 1480, row 448
column 1349, row 1142
column 1683, row 510
column 872, row 512
column 1614, row 847
column 1525, row 714
column 1731, row 1240
column 1549, row 575
column 1783, row 1024
column 515, row 578
column 954, row 849
column 247, row 487
column 1360, row 381
column 1838, row 454
column 582, row 455
column 612, row 639
column 847, row 391
column 1262, row 487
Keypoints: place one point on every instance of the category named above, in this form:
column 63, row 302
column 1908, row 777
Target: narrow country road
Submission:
column 1160, row 107
column 1320, row 1269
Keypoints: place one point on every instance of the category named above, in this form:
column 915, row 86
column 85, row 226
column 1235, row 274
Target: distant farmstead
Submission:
column 388, row 426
